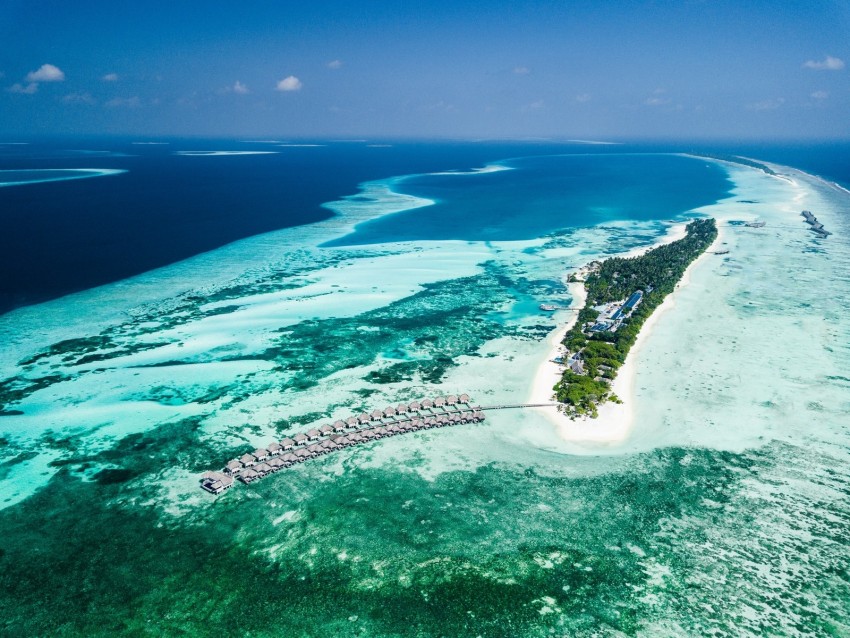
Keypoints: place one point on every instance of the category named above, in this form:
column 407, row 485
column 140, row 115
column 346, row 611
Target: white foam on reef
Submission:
column 39, row 176
column 151, row 143
column 303, row 145
column 490, row 168
column 221, row 153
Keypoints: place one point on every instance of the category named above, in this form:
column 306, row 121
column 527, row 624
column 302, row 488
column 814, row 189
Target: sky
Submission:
column 606, row 70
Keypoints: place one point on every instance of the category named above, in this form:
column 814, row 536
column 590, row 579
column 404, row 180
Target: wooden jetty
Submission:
column 815, row 225
column 394, row 420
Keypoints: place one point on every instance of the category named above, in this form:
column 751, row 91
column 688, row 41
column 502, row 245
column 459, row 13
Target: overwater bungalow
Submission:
column 274, row 448
column 329, row 445
column 326, row 429
column 401, row 408
column 276, row 464
column 287, row 444
column 451, row 399
column 302, row 454
column 247, row 460
column 288, row 459
column 216, row 482
column 261, row 454
column 463, row 398
column 355, row 437
column 339, row 426
column 313, row 434
column 343, row 441
column 364, row 419
column 377, row 415
column 415, row 406
column 389, row 411
column 246, row 476
column 427, row 404
column 351, row 422
column 262, row 469
column 300, row 438
column 233, row 467
column 439, row 402
column 315, row 449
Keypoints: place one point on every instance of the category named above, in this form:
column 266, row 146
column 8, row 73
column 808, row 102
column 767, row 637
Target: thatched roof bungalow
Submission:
column 300, row 438
column 247, row 460
column 287, row 444
column 261, row 454
column 233, row 467
column 262, row 469
column 216, row 482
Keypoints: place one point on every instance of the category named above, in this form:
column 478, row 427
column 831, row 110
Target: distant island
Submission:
column 622, row 293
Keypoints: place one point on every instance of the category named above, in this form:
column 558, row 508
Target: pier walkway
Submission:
column 519, row 405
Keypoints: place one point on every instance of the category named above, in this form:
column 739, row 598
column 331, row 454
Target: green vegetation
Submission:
column 602, row 353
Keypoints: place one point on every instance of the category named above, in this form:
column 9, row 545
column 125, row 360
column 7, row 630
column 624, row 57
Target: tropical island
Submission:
column 622, row 293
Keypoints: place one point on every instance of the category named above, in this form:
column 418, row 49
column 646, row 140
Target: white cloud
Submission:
column 656, row 101
column 522, row 70
column 767, row 105
column 125, row 102
column 829, row 63
column 110, row 77
column 335, row 64
column 534, row 106
column 820, row 95
column 289, row 83
column 583, row 97
column 239, row 88
column 78, row 98
column 29, row 89
column 46, row 73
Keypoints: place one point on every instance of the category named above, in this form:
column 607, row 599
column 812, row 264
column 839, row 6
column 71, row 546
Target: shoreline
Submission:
column 615, row 420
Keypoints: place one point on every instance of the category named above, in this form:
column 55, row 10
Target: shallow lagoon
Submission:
column 500, row 529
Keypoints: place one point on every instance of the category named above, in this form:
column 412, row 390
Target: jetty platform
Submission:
column 332, row 436
column 814, row 224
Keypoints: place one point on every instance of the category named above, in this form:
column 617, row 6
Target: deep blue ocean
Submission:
column 62, row 237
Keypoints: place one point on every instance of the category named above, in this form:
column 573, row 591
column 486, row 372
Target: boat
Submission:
column 548, row 307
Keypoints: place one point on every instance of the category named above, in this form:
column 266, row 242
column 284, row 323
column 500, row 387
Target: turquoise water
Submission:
column 540, row 195
column 724, row 513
